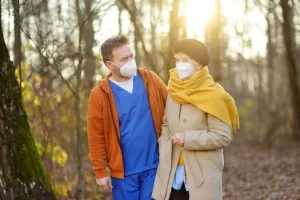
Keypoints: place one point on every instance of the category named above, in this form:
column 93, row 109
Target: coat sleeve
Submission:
column 165, row 131
column 96, row 140
column 217, row 136
column 165, row 143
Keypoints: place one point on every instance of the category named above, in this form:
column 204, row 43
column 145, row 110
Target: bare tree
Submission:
column 270, row 46
column 174, row 35
column 18, row 43
column 132, row 10
column 213, row 39
column 89, row 64
column 292, row 60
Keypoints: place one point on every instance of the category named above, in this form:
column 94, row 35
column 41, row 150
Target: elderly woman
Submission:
column 199, row 119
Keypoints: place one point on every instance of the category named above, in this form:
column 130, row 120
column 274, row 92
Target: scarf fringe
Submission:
column 235, row 124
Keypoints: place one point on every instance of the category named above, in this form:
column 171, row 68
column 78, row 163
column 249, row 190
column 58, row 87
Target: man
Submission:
column 125, row 114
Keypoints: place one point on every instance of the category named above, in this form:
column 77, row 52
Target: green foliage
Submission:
column 55, row 153
column 24, row 70
column 246, row 108
column 61, row 189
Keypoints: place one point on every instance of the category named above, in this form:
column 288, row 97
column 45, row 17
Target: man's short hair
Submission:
column 110, row 44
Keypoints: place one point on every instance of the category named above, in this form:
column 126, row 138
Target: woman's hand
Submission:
column 178, row 138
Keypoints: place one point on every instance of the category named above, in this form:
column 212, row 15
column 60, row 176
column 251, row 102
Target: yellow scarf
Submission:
column 201, row 91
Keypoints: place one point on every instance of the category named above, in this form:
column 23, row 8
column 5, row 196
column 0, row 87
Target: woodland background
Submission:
column 54, row 46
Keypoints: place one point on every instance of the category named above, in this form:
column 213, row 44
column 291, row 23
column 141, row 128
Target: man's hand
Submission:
column 105, row 183
column 178, row 138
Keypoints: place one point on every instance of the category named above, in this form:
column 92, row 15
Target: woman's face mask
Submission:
column 185, row 70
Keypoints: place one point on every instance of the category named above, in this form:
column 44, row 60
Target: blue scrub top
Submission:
column 138, row 137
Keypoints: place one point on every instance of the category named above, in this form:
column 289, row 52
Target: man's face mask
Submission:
column 128, row 69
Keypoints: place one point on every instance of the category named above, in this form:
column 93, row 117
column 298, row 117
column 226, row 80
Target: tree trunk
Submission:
column 174, row 33
column 80, row 189
column 22, row 175
column 134, row 18
column 89, row 65
column 213, row 40
column 1, row 10
column 136, row 47
column 270, row 50
column 17, row 30
column 293, row 65
column 120, row 23
column 270, row 71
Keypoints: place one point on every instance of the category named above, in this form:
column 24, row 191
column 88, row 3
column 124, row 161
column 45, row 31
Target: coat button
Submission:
column 184, row 120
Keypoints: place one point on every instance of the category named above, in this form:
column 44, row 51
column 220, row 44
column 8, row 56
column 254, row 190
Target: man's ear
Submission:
column 108, row 64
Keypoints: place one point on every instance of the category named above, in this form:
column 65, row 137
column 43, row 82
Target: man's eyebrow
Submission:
column 124, row 58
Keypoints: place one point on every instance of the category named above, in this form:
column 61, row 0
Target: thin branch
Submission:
column 140, row 36
column 54, row 66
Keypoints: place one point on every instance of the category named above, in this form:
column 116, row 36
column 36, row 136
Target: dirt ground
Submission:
column 256, row 172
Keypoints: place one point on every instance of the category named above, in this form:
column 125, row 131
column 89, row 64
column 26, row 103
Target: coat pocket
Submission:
column 196, row 168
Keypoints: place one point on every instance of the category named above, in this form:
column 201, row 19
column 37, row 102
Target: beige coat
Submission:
column 204, row 139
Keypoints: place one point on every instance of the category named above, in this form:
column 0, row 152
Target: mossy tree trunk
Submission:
column 22, row 175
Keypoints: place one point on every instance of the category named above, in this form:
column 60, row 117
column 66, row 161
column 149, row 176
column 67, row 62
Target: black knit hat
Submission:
column 194, row 49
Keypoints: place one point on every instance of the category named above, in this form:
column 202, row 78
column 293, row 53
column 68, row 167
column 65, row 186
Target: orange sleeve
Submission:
column 96, row 140
column 162, row 87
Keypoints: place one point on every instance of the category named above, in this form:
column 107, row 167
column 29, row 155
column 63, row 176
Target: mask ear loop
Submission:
column 114, row 70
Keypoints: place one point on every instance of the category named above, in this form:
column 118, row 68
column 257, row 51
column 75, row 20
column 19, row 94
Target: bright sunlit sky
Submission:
column 198, row 13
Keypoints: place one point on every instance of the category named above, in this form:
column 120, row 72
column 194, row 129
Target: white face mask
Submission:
column 128, row 70
column 185, row 70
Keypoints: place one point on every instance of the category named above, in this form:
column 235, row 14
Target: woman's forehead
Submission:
column 182, row 55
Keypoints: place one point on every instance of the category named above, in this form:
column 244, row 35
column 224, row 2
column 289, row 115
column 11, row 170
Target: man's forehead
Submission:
column 122, row 51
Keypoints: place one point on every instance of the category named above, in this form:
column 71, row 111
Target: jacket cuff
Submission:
column 101, row 173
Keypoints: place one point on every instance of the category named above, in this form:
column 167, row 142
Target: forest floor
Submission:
column 256, row 172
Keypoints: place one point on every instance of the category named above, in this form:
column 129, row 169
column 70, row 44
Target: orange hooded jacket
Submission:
column 103, row 123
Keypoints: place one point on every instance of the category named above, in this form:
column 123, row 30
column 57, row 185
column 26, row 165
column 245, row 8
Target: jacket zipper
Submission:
column 114, row 124
column 118, row 138
column 112, row 116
